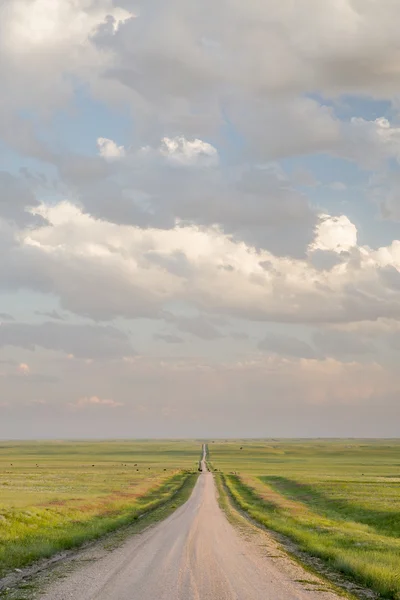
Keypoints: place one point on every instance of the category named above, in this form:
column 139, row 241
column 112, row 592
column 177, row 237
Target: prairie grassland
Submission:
column 338, row 500
column 57, row 495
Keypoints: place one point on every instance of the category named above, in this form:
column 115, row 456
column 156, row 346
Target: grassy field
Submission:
column 57, row 495
column 338, row 500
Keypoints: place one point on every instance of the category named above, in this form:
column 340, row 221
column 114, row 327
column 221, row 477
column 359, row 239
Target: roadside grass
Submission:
column 28, row 586
column 340, row 503
column 57, row 496
column 348, row 500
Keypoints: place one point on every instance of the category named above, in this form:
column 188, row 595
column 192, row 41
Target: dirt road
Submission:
column 195, row 554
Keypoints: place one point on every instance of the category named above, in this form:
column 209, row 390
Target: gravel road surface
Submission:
column 195, row 554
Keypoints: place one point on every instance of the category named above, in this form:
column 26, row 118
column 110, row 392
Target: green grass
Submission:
column 58, row 495
column 376, row 504
column 337, row 500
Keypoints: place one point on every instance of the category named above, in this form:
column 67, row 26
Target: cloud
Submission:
column 52, row 314
column 109, row 149
column 43, row 41
column 325, row 260
column 6, row 317
column 287, row 346
column 384, row 189
column 380, row 137
column 169, row 338
column 178, row 182
column 24, row 369
column 37, row 402
column 20, row 375
column 336, row 234
column 184, row 89
column 252, row 395
column 209, row 75
column 8, row 361
column 336, row 343
column 83, row 341
column 180, row 151
column 226, row 135
column 42, row 23
column 205, row 52
column 17, row 201
column 93, row 401
column 200, row 326
column 100, row 270
column 363, row 339
column 289, row 126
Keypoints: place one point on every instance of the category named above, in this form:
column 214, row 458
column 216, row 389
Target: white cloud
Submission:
column 193, row 223
column 34, row 24
column 103, row 270
column 159, row 186
column 46, row 47
column 335, row 233
column 185, row 152
column 280, row 47
column 109, row 149
column 183, row 70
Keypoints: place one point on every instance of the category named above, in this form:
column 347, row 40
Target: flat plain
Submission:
column 338, row 500
column 58, row 495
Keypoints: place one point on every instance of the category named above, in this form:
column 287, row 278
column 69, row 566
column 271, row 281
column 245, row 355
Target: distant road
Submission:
column 195, row 554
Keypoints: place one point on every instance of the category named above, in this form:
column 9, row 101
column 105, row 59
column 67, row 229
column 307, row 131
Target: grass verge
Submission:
column 346, row 500
column 36, row 578
column 312, row 572
column 50, row 530
column 353, row 549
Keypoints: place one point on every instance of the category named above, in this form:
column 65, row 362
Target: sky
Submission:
column 199, row 218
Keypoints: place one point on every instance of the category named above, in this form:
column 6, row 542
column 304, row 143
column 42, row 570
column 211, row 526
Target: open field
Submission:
column 57, row 495
column 195, row 553
column 338, row 500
